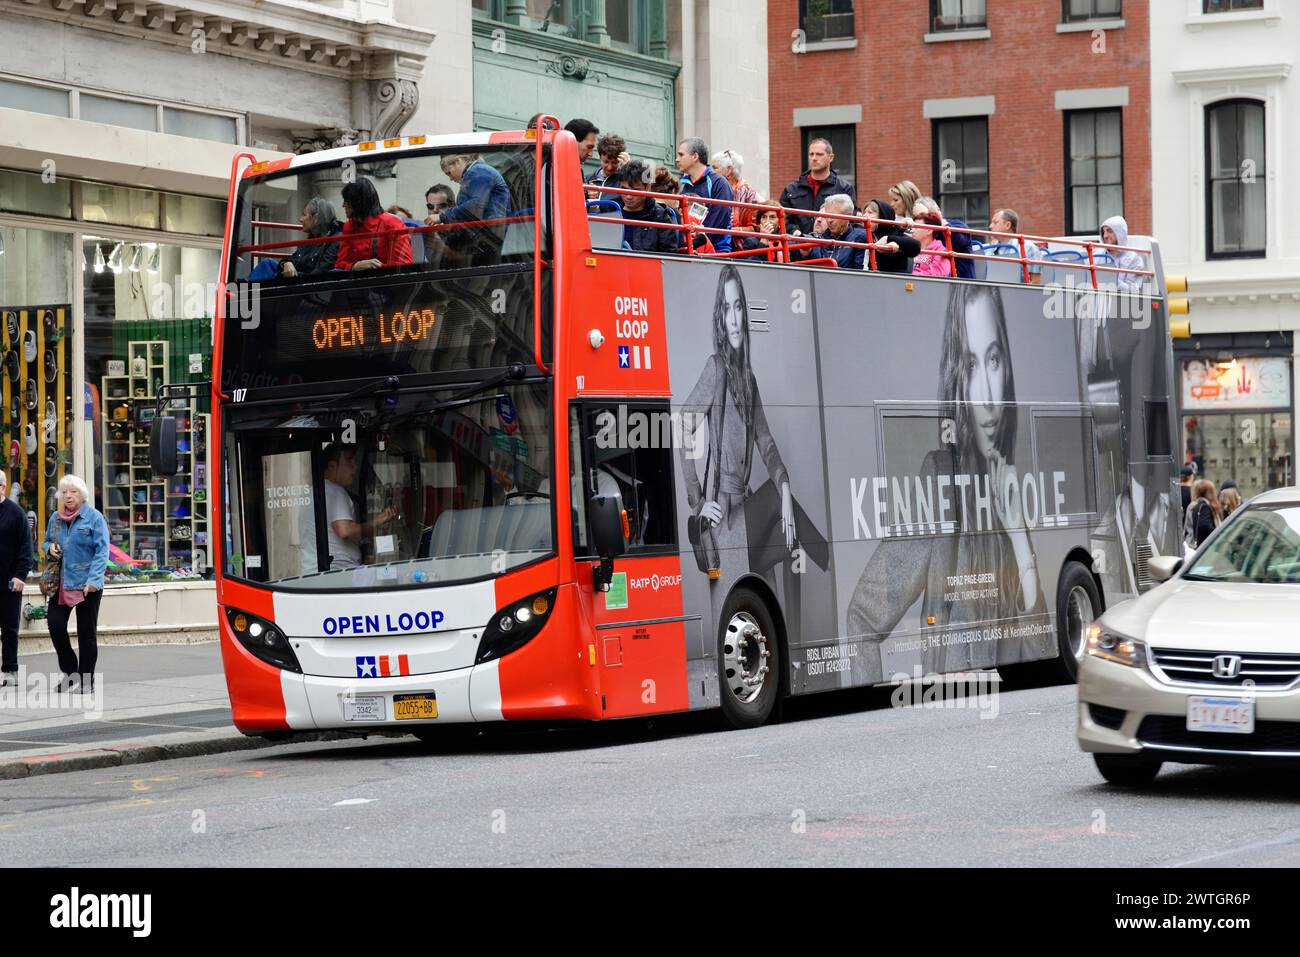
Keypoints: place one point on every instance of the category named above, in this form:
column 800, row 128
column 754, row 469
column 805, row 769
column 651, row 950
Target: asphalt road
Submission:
column 845, row 780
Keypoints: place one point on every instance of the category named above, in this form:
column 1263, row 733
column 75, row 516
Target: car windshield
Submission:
column 383, row 490
column 1260, row 544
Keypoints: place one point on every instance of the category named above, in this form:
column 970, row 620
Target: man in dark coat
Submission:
column 15, row 565
column 642, row 209
column 814, row 184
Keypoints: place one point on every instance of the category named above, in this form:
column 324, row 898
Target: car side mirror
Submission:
column 1163, row 567
column 163, row 459
column 609, row 532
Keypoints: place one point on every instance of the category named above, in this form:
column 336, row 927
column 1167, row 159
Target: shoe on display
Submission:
column 33, row 400
column 51, row 324
column 51, row 366
column 11, row 326
column 29, row 437
column 29, row 346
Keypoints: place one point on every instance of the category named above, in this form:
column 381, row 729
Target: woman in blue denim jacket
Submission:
column 78, row 534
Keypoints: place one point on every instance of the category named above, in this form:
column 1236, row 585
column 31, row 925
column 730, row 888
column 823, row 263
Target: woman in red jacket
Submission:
column 371, row 238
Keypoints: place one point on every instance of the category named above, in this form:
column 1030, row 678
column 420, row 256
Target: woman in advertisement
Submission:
column 978, row 395
column 727, row 396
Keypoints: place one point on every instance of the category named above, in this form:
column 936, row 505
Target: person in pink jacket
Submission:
column 930, row 261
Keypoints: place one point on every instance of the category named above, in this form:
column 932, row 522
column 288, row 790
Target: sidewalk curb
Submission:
column 132, row 753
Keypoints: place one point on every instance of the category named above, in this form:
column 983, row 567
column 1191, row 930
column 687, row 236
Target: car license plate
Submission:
column 409, row 706
column 364, row 708
column 1223, row 715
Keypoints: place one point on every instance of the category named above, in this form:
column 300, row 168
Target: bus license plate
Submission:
column 363, row 708
column 408, row 706
column 1223, row 715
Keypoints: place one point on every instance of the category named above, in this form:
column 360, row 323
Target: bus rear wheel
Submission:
column 749, row 660
column 1078, row 603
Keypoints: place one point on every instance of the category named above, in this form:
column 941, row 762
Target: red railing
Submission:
column 786, row 242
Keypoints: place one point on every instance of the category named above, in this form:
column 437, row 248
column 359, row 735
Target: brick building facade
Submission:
column 1040, row 105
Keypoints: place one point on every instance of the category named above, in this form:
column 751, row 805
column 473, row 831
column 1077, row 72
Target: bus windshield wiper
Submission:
column 512, row 373
column 388, row 382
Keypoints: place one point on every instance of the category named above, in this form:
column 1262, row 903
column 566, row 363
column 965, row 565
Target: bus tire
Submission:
column 1078, row 604
column 749, row 660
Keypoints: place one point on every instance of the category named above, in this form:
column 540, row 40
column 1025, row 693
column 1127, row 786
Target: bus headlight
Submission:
column 513, row 626
column 1115, row 647
column 262, row 639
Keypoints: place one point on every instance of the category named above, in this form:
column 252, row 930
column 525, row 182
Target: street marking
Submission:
column 347, row 802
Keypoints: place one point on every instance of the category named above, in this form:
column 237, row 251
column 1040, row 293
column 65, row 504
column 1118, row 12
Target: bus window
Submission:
column 628, row 454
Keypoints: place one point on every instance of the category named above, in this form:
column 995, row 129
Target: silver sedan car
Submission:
column 1205, row 668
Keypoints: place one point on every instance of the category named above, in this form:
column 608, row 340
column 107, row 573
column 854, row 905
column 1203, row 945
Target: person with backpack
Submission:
column 1203, row 514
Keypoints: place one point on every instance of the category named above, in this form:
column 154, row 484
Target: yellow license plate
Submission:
column 415, row 706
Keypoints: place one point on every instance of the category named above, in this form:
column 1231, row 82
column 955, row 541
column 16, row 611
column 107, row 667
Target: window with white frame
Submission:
column 1236, row 185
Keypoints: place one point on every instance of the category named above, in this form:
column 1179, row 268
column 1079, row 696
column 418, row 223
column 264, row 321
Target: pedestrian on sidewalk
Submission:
column 15, row 565
column 78, row 535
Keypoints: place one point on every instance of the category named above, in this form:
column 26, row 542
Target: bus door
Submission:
column 626, row 449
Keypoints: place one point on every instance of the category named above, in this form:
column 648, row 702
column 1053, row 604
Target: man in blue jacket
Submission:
column 15, row 564
column 846, row 257
column 699, row 179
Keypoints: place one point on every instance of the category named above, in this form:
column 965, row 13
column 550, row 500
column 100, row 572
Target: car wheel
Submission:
column 749, row 660
column 1078, row 604
column 1128, row 770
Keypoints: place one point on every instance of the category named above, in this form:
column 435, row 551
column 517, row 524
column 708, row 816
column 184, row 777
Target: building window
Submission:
column 957, row 15
column 32, row 98
column 1235, row 179
column 1094, row 169
column 1226, row 6
column 843, row 141
column 1075, row 11
column 826, row 20
column 961, row 168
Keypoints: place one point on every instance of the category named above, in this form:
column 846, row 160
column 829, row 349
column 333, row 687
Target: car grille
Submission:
column 1158, row 729
column 1107, row 717
column 1265, row 670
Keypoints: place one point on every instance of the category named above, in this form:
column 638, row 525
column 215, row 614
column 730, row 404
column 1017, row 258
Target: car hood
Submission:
column 1212, row 616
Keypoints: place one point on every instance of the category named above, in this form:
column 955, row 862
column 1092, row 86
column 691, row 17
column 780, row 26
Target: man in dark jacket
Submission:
column 814, row 184
column 15, row 565
column 646, row 239
column 846, row 257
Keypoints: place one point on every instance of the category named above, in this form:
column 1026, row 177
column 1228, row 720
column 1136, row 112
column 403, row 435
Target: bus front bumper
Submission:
column 313, row 702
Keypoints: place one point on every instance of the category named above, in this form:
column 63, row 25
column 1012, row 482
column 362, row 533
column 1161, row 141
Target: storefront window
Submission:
column 31, row 193
column 36, row 426
column 197, row 215
column 149, row 324
column 1237, row 420
column 119, row 205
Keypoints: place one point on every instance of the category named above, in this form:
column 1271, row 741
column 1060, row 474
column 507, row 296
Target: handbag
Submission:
column 52, row 573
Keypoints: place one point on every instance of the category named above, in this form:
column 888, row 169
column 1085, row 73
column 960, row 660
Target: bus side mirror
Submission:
column 162, row 446
column 608, row 523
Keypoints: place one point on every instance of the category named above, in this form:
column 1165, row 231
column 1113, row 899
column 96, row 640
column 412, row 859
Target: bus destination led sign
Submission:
column 339, row 333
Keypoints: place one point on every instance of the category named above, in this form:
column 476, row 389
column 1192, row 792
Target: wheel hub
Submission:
column 744, row 657
column 1078, row 617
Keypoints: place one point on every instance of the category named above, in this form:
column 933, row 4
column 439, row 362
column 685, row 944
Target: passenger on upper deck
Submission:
column 902, row 197
column 814, row 184
column 902, row 247
column 846, row 257
column 767, row 225
column 699, row 179
column 1114, row 232
column 728, row 164
column 650, row 239
column 612, row 152
column 318, row 220
column 585, row 132
column 484, row 195
column 930, row 261
column 961, row 242
column 371, row 237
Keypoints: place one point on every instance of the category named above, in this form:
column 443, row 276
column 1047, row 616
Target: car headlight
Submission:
column 1115, row 647
column 263, row 639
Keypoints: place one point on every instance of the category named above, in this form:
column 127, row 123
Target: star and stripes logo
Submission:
column 633, row 357
column 382, row 666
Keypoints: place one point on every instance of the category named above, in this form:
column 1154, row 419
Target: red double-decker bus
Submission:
column 496, row 465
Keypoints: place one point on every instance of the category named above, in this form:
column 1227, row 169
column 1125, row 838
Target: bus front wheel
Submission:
column 1078, row 603
column 749, row 660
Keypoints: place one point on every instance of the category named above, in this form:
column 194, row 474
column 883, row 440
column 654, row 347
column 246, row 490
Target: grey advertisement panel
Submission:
column 908, row 465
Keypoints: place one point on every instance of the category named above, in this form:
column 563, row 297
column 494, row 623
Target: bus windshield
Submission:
column 386, row 266
column 389, row 490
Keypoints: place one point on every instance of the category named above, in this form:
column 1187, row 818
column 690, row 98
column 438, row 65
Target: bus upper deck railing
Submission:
column 786, row 243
